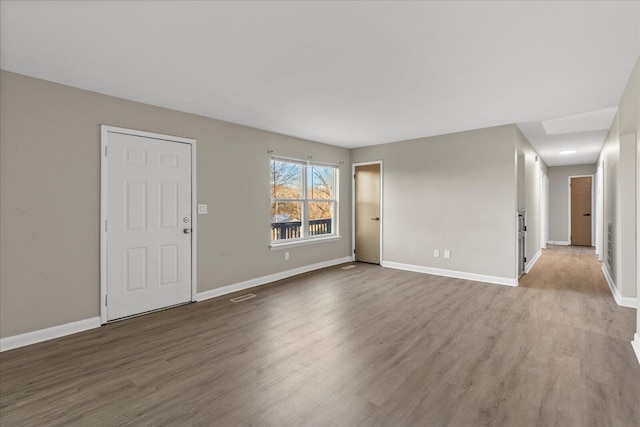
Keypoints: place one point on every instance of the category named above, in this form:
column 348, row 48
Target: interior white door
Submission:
column 148, row 224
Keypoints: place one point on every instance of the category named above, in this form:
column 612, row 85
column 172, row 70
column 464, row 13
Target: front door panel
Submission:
column 148, row 224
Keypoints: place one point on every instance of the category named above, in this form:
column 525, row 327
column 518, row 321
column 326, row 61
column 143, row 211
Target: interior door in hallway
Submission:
column 148, row 262
column 581, row 211
column 367, row 213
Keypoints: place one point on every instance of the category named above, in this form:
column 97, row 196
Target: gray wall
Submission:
column 50, row 196
column 532, row 188
column 455, row 192
column 619, row 168
column 559, row 199
column 631, row 121
column 608, row 160
column 521, row 182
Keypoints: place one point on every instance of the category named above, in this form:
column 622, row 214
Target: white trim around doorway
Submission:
column 569, row 236
column 353, row 205
column 104, row 174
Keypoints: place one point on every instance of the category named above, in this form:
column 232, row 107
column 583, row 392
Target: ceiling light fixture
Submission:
column 568, row 152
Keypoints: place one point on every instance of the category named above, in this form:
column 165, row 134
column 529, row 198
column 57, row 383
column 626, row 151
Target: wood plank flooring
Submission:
column 362, row 347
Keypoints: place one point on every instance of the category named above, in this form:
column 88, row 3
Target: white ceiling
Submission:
column 345, row 73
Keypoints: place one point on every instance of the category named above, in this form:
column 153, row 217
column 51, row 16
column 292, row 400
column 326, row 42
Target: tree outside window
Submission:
column 303, row 199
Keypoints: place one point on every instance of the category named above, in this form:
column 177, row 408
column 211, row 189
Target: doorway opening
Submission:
column 544, row 210
column 147, row 222
column 599, row 220
column 580, row 210
column 522, row 247
column 367, row 212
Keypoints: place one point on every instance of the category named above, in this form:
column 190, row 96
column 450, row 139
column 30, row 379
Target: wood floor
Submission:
column 365, row 346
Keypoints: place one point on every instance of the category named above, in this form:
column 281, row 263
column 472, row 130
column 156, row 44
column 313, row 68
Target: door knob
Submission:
column 187, row 231
column 375, row 219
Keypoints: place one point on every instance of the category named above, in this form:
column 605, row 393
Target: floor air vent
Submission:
column 242, row 298
column 349, row 267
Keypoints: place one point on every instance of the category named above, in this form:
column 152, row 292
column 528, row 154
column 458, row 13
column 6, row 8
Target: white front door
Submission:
column 148, row 224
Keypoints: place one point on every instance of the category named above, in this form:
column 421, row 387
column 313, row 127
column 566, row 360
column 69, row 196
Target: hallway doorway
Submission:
column 580, row 209
column 367, row 212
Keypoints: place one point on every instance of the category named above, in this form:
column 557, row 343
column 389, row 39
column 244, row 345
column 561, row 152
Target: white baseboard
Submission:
column 34, row 337
column 628, row 302
column 620, row 300
column 558, row 243
column 636, row 345
column 451, row 273
column 533, row 261
column 213, row 293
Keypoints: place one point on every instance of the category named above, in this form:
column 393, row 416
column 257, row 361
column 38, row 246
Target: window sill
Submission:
column 286, row 245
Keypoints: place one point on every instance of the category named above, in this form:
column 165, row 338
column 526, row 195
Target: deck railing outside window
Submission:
column 292, row 229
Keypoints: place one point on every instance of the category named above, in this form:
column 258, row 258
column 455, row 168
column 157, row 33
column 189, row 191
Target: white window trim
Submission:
column 308, row 240
column 292, row 243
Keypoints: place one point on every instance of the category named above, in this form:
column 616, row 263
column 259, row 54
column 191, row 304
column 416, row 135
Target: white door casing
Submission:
column 380, row 211
column 592, row 207
column 544, row 209
column 599, row 220
column 148, row 222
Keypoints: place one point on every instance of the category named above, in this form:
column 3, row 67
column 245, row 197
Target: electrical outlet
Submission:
column 447, row 253
column 202, row 209
column 286, row 256
column 436, row 253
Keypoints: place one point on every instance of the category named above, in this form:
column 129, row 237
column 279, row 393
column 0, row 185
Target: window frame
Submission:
column 305, row 237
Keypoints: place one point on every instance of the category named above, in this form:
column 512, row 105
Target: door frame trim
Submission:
column 544, row 209
column 353, row 205
column 599, row 204
column 569, row 234
column 104, row 176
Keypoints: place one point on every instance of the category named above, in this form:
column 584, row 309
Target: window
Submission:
column 303, row 200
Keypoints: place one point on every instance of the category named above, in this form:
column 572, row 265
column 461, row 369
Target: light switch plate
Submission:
column 202, row 209
column 436, row 253
column 447, row 253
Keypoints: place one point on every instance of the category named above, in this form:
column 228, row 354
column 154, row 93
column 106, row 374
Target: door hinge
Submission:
column 354, row 251
column 106, row 150
column 525, row 259
column 106, row 300
column 525, row 228
column 354, row 176
column 105, row 226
